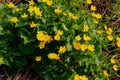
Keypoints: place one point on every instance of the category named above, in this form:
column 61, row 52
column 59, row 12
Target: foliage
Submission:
column 62, row 39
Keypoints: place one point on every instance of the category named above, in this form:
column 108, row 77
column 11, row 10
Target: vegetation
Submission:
column 61, row 39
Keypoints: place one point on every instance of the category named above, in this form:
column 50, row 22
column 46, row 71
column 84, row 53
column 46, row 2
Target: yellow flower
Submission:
column 95, row 21
column 31, row 2
column 49, row 2
column 57, row 37
column 64, row 14
column 78, row 38
column 38, row 58
column 109, row 31
column 110, row 37
column 57, row 11
column 31, row 9
column 42, row 45
column 62, row 49
column 33, row 25
column 86, row 28
column 38, row 13
column 44, row 0
column 115, row 67
column 99, row 32
column 11, row 5
column 91, row 47
column 24, row 15
column 70, row 14
column 14, row 20
column 47, row 38
column 89, row 2
column 93, row 14
column 83, row 77
column 118, row 43
column 40, row 36
column 105, row 27
column 74, row 17
column 105, row 73
column 98, row 16
column 86, row 37
column 53, row 56
column 93, row 8
column 118, row 39
column 76, row 77
column 76, row 45
column 112, row 60
column 83, row 47
column 59, row 32
column 18, row 9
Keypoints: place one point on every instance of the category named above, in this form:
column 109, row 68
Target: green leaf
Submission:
column 26, row 49
column 76, row 27
column 27, row 36
column 2, row 30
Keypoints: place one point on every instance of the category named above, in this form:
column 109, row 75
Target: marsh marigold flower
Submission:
column 49, row 2
column 57, row 37
column 95, row 21
column 31, row 2
column 57, row 11
column 62, row 49
column 105, row 73
column 74, row 17
column 84, row 77
column 53, row 56
column 99, row 31
column 110, row 37
column 112, row 60
column 42, row 45
column 118, row 41
column 98, row 16
column 14, row 20
column 83, row 47
column 89, row 2
column 86, row 37
column 59, row 32
column 18, row 9
column 91, row 47
column 76, row 45
column 118, row 38
column 86, row 28
column 40, row 36
column 38, row 58
column 78, row 38
column 76, row 77
column 33, row 25
column 70, row 14
column 44, row 0
column 109, row 31
column 93, row 8
column 11, row 5
column 115, row 67
column 24, row 15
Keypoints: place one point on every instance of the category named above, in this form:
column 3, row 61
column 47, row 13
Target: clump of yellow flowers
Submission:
column 43, row 38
